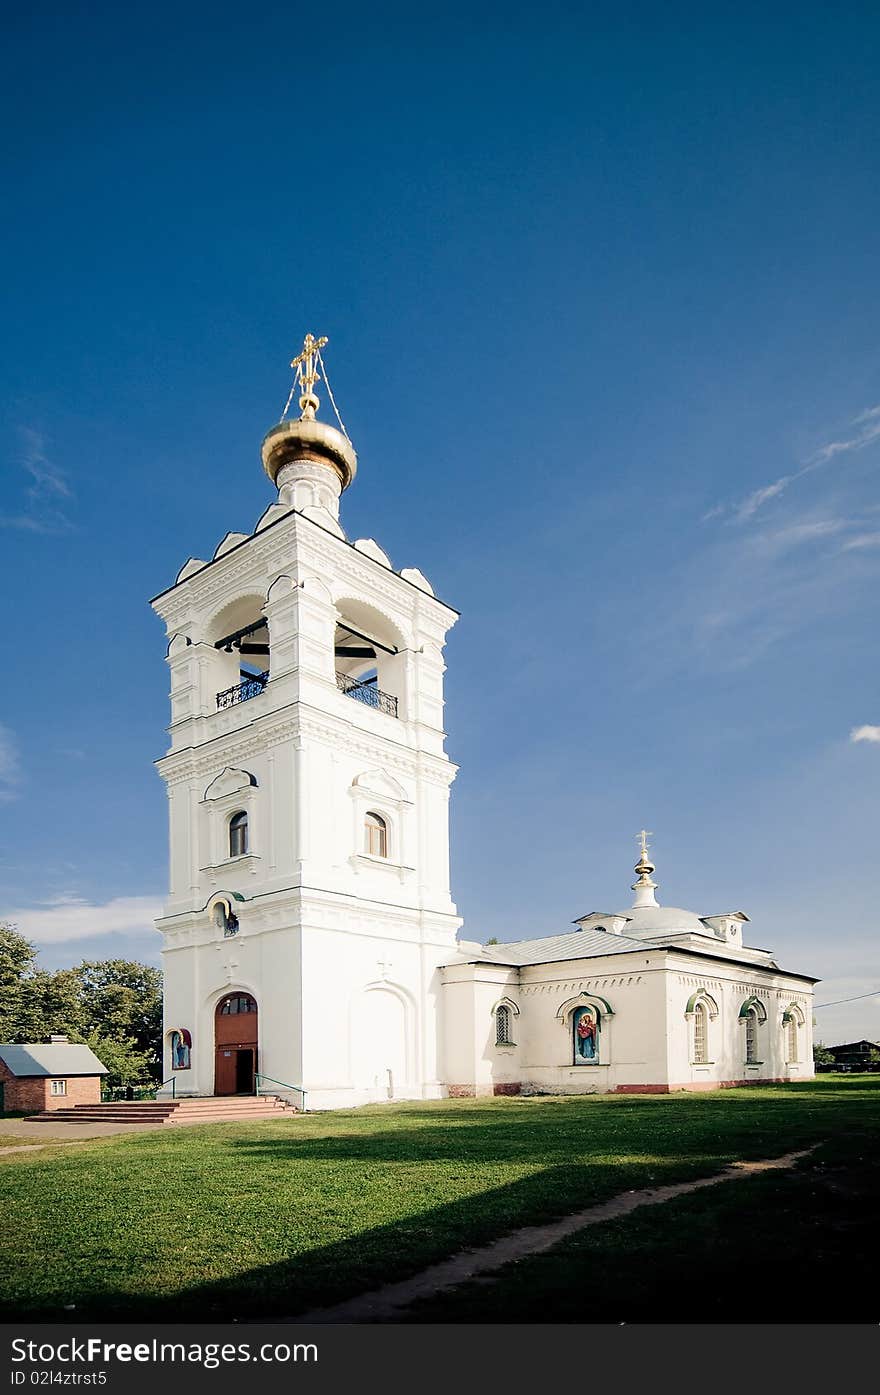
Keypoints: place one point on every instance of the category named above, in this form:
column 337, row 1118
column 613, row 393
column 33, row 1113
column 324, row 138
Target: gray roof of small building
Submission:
column 576, row 944
column 50, row 1058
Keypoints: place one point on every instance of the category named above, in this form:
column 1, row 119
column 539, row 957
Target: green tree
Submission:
column 821, row 1055
column 116, row 1001
column 54, row 1003
column 125, row 1064
column 18, row 958
column 122, row 999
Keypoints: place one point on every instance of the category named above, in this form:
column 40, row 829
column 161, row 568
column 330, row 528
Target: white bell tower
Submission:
column 308, row 788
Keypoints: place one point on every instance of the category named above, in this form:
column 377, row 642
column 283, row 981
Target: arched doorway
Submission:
column 235, row 1045
column 379, row 1041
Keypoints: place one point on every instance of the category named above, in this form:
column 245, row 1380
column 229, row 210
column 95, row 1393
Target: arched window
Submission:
column 235, row 1003
column 238, row 834
column 751, row 1036
column 792, row 1039
column 792, row 1018
column 224, row 917
column 700, row 1013
column 701, row 1037
column 375, row 836
column 503, row 1035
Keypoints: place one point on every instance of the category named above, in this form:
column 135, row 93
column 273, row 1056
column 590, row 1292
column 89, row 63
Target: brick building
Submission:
column 48, row 1075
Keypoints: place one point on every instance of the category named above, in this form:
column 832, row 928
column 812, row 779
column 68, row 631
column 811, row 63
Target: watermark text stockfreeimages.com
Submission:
column 95, row 1351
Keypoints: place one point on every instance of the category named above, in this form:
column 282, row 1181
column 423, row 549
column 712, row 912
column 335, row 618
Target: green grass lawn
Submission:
column 273, row 1217
column 784, row 1247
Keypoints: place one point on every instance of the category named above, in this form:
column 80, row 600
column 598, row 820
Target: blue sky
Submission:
column 601, row 286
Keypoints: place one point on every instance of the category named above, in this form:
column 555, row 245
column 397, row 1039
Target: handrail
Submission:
column 367, row 692
column 173, row 1079
column 250, row 687
column 284, row 1085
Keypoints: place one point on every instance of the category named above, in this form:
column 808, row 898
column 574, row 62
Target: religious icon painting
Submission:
column 181, row 1046
column 585, row 1026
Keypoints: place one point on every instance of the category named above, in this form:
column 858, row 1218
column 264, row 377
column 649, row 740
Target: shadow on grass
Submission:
column 327, row 1274
column 788, row 1247
column 267, row 1220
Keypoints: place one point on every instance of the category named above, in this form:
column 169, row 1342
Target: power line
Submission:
column 856, row 999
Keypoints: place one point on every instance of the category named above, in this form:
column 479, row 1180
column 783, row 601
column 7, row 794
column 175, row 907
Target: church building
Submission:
column 311, row 944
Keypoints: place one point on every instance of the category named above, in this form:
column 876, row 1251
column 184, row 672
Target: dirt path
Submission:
column 385, row 1304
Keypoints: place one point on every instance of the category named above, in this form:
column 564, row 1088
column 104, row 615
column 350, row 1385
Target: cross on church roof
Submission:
column 307, row 374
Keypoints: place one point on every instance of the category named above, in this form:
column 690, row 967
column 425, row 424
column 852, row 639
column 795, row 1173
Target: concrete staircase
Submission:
column 210, row 1109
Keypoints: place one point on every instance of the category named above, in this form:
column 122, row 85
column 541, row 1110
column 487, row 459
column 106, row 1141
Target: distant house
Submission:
column 856, row 1055
column 48, row 1075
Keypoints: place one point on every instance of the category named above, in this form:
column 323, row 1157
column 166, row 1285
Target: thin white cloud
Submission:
column 763, row 583
column 780, row 540
column 47, row 477
column 10, row 769
column 869, row 424
column 866, row 733
column 48, row 497
column 862, row 541
column 71, row 918
column 866, row 434
column 758, row 497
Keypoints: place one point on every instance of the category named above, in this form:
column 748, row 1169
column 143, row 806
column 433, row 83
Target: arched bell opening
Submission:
column 368, row 657
column 240, row 638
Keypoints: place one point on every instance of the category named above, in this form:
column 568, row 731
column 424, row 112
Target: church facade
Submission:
column 310, row 940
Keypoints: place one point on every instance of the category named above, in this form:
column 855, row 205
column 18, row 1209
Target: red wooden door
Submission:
column 235, row 1041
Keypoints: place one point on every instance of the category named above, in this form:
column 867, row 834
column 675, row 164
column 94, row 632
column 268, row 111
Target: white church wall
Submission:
column 473, row 1063
column 728, row 987
column 370, row 1016
column 646, row 1040
column 264, row 963
column 631, row 1051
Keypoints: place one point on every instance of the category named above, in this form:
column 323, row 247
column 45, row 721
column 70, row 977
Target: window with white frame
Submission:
column 59, row 1087
column 375, row 835
column 701, row 1035
column 752, row 1036
column 503, row 1034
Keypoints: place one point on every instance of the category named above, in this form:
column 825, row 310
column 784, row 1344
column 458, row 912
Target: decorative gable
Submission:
column 230, row 781
column 378, row 782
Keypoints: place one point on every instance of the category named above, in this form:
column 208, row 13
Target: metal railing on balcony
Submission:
column 368, row 693
column 240, row 692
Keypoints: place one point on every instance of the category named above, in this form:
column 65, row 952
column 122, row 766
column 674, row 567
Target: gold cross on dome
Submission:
column 643, row 837
column 306, row 370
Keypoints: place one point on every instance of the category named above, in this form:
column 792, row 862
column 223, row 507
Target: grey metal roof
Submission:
column 50, row 1058
column 595, row 944
column 576, row 944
